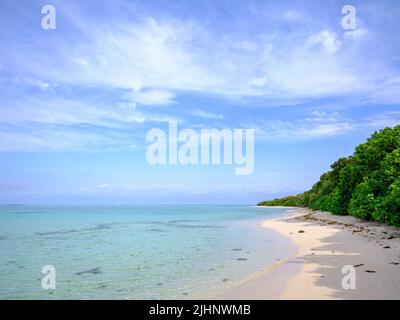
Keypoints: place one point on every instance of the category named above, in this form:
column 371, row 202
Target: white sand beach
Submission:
column 326, row 243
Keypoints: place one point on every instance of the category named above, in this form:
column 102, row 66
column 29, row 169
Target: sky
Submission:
column 77, row 101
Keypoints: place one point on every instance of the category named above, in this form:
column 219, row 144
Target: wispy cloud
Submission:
column 355, row 34
column 158, row 57
column 320, row 124
column 325, row 39
column 206, row 115
column 298, row 130
column 149, row 59
column 385, row 119
column 60, row 124
column 152, row 97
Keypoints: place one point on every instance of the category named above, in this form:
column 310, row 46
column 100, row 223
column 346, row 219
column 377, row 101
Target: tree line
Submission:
column 365, row 185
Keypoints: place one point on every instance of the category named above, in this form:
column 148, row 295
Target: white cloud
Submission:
column 103, row 186
column 319, row 124
column 143, row 55
column 259, row 82
column 66, row 139
column 298, row 130
column 152, row 97
column 386, row 119
column 58, row 124
column 170, row 56
column 355, row 34
column 206, row 115
column 323, row 116
column 291, row 15
column 80, row 61
column 157, row 59
column 55, row 111
column 326, row 39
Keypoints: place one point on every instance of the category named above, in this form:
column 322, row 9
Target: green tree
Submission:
column 365, row 185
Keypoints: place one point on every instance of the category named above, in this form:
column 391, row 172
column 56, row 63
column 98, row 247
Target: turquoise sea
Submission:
column 134, row 252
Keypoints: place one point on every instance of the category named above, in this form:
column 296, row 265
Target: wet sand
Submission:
column 325, row 244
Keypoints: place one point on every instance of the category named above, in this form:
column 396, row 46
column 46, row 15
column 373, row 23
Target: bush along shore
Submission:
column 365, row 185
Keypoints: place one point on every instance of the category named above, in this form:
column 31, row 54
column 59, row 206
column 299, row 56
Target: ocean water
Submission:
column 134, row 252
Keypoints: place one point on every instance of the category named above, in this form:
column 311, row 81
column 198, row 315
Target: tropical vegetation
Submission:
column 365, row 185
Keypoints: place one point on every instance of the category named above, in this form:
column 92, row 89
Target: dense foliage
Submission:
column 365, row 185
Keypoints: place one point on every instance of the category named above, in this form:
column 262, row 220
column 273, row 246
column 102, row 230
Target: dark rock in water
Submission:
column 181, row 220
column 159, row 284
column 185, row 293
column 91, row 271
column 387, row 247
column 156, row 230
column 301, row 231
column 241, row 259
column 358, row 265
column 395, row 263
column 225, row 280
column 370, row 271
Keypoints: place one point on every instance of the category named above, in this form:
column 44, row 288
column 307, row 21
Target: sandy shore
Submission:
column 326, row 243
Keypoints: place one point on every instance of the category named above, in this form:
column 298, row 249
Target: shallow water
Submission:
column 133, row 252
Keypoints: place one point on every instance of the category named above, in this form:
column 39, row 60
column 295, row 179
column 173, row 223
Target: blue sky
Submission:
column 76, row 102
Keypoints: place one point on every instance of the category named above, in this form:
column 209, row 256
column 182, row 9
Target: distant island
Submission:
column 365, row 185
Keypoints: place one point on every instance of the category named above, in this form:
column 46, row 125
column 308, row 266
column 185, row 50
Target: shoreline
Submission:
column 325, row 244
